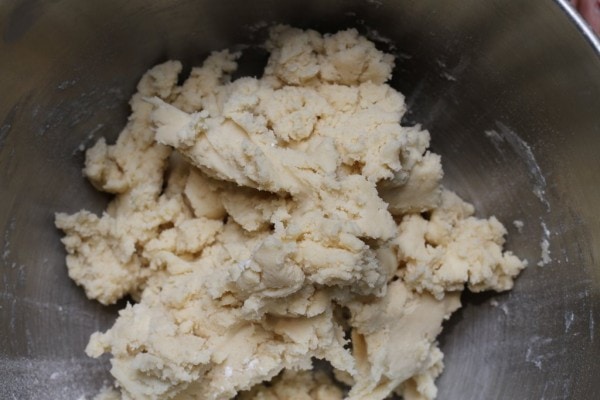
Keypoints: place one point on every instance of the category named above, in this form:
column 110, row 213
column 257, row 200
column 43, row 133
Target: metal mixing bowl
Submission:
column 509, row 89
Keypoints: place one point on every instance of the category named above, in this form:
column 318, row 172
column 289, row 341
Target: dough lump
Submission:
column 261, row 223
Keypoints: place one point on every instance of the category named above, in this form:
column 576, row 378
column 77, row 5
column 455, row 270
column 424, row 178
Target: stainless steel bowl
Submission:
column 509, row 89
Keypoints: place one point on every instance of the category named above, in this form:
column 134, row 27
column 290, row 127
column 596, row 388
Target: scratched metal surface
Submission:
column 509, row 89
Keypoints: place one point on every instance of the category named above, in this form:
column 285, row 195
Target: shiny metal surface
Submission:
column 509, row 89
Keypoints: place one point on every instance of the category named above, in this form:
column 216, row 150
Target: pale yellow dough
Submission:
column 263, row 222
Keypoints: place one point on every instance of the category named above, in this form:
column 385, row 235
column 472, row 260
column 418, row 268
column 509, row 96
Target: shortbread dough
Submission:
column 261, row 223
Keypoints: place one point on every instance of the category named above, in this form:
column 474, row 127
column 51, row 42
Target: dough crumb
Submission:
column 545, row 246
column 519, row 225
column 545, row 255
column 261, row 223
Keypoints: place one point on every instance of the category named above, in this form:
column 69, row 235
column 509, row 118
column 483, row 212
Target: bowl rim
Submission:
column 582, row 25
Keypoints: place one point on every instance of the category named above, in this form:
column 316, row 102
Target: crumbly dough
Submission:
column 264, row 222
column 296, row 385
